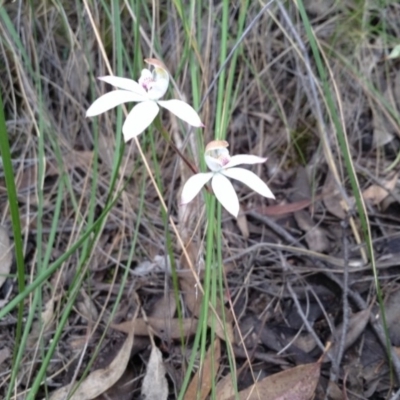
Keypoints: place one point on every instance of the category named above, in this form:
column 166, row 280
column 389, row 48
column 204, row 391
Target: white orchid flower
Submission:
column 223, row 166
column 147, row 92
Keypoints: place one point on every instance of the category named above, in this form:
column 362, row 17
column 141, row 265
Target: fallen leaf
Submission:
column 86, row 307
column 356, row 326
column 243, row 226
column 332, row 197
column 224, row 389
column 202, row 382
column 5, row 354
column 165, row 307
column 297, row 383
column 123, row 389
column 5, row 255
column 155, row 385
column 377, row 193
column 315, row 235
column 164, row 328
column 284, row 209
column 100, row 380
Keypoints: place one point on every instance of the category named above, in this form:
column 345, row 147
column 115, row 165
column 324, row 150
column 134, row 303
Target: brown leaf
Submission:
column 315, row 236
column 377, row 193
column 100, row 380
column 164, row 307
column 356, row 326
column 332, row 197
column 155, row 385
column 297, row 383
column 242, row 224
column 284, row 209
column 163, row 328
column 202, row 382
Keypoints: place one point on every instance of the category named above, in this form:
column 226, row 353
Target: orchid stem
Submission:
column 166, row 136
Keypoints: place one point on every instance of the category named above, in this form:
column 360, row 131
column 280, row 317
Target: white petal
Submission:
column 139, row 118
column 193, row 186
column 214, row 164
column 183, row 111
column 125, row 84
column 244, row 159
column 225, row 193
column 109, row 101
column 158, row 89
column 250, row 179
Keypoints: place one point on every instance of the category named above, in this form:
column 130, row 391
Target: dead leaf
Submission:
column 165, row 307
column 356, row 326
column 224, row 389
column 377, row 193
column 5, row 354
column 280, row 210
column 155, row 385
column 5, row 255
column 87, row 307
column 159, row 264
column 243, row 225
column 332, row 197
column 315, row 235
column 100, row 380
column 202, row 382
column 123, row 389
column 297, row 383
column 164, row 328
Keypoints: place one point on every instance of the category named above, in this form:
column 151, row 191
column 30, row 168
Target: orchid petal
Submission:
column 158, row 89
column 183, row 111
column 250, row 179
column 214, row 164
column 244, row 159
column 125, row 84
column 193, row 186
column 225, row 193
column 109, row 101
column 139, row 118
